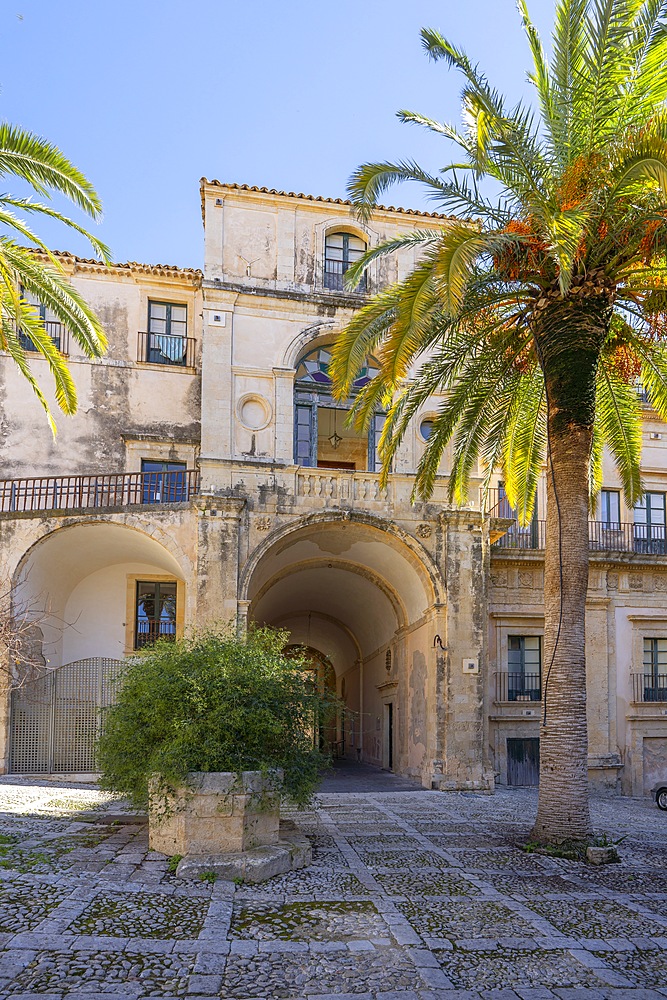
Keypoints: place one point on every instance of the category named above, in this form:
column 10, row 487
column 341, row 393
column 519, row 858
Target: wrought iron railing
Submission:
column 80, row 492
column 603, row 536
column 649, row 687
column 517, row 686
column 334, row 271
column 58, row 333
column 147, row 633
column 166, row 349
column 532, row 536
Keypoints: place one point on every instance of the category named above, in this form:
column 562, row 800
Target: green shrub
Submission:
column 214, row 702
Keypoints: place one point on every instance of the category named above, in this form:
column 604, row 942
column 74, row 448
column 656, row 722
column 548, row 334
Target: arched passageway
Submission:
column 362, row 595
column 97, row 589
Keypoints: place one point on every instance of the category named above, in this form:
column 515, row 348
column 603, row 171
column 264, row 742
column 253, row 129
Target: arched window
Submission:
column 322, row 438
column 314, row 367
column 341, row 250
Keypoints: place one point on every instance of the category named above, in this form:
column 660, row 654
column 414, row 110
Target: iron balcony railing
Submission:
column 603, row 536
column 649, row 687
column 166, row 349
column 148, row 632
column 58, row 333
column 517, row 686
column 80, row 492
column 334, row 271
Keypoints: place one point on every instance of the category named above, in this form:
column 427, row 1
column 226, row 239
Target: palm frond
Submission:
column 526, row 438
column 619, row 418
column 45, row 168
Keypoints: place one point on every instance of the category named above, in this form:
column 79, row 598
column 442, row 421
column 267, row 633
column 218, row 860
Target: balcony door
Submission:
column 649, row 527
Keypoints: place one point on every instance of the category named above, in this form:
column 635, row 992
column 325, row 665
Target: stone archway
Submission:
column 76, row 580
column 353, row 588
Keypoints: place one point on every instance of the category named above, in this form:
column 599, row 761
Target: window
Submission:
column 610, row 509
column 649, row 527
column 519, row 536
column 655, row 669
column 426, row 428
column 167, row 340
column 163, row 482
column 322, row 438
column 155, row 613
column 524, row 667
column 341, row 250
column 313, row 369
column 52, row 326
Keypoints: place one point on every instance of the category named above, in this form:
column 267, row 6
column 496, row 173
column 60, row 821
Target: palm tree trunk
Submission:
column 563, row 798
column 569, row 339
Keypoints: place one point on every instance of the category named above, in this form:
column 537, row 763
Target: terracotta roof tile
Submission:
column 314, row 197
column 165, row 270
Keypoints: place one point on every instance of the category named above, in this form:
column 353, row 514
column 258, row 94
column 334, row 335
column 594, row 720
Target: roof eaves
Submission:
column 313, row 197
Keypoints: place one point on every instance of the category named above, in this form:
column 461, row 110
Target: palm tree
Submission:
column 35, row 273
column 534, row 312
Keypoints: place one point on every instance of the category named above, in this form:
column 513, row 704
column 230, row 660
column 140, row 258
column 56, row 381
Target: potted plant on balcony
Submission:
column 209, row 732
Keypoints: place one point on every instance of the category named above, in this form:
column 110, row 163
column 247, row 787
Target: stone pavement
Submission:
column 413, row 895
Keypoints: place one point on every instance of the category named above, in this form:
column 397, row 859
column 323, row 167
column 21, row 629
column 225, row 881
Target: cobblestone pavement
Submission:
column 413, row 895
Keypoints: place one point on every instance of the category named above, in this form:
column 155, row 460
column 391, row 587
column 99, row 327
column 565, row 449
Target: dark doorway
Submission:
column 523, row 762
column 390, row 736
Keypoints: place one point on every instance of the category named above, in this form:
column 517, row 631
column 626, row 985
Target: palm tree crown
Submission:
column 534, row 314
column 580, row 224
column 35, row 273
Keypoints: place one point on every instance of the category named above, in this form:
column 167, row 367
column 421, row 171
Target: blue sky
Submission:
column 147, row 96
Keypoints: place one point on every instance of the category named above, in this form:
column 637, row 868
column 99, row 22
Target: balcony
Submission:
column 649, row 688
column 517, row 687
column 603, row 536
column 94, row 492
column 58, row 333
column 334, row 271
column 165, row 349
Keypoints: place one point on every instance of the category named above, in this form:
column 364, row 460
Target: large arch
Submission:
column 77, row 581
column 316, row 333
column 363, row 593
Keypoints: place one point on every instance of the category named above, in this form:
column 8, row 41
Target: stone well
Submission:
column 216, row 813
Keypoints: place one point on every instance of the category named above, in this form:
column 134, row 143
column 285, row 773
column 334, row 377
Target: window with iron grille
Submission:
column 52, row 326
column 649, row 524
column 341, row 250
column 655, row 669
column 166, row 343
column 155, row 613
column 524, row 667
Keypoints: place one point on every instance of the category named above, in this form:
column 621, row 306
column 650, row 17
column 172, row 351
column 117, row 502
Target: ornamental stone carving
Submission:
column 263, row 523
column 424, row 530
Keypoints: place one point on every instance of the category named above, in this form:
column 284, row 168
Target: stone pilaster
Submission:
column 461, row 667
column 218, row 544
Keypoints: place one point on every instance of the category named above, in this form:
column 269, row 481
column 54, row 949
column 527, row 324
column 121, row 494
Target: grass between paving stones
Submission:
column 102, row 972
column 48, row 854
column 292, row 977
column 425, row 883
column 647, row 968
column 596, row 919
column 465, row 919
column 325, row 921
column 494, row 970
column 408, row 860
column 23, row 907
column 142, row 915
column 318, row 882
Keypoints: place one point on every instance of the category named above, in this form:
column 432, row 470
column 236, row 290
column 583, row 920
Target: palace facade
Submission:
column 209, row 474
